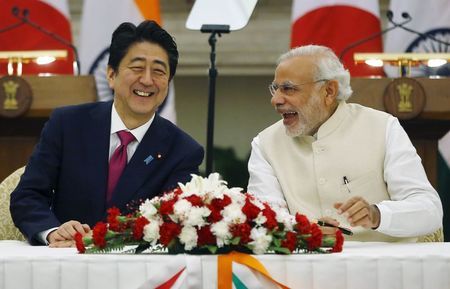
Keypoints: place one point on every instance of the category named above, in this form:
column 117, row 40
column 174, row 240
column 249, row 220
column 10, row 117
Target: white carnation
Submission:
column 261, row 240
column 222, row 232
column 260, row 219
column 151, row 233
column 196, row 216
column 147, row 209
column 284, row 217
column 233, row 214
column 181, row 209
column 236, row 195
column 188, row 237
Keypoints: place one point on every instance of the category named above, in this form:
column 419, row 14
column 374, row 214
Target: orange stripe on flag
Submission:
column 149, row 9
column 224, row 269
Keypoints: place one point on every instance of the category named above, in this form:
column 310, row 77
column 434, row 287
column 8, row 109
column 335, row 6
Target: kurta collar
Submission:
column 334, row 121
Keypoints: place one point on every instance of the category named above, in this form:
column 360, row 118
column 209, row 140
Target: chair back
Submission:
column 7, row 229
column 437, row 236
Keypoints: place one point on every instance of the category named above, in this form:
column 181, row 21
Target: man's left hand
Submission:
column 359, row 212
column 62, row 244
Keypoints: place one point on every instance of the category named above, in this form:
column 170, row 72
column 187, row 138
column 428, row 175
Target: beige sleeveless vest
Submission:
column 350, row 143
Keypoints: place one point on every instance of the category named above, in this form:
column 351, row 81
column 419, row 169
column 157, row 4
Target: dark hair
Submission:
column 128, row 34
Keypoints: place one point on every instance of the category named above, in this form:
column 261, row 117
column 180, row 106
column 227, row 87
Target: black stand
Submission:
column 214, row 30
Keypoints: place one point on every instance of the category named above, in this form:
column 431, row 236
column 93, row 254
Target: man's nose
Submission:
column 146, row 77
column 277, row 98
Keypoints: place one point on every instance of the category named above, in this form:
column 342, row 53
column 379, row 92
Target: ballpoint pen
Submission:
column 343, row 230
column 346, row 183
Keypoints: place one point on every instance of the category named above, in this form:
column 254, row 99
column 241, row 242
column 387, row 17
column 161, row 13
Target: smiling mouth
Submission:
column 290, row 114
column 143, row 93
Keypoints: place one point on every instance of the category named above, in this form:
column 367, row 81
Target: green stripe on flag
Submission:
column 238, row 283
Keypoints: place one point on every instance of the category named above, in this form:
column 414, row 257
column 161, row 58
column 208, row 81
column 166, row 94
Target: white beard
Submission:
column 309, row 118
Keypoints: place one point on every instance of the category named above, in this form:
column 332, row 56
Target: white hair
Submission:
column 328, row 66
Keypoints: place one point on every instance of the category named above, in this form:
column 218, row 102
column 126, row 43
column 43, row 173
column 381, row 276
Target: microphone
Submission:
column 389, row 15
column 406, row 15
column 14, row 11
column 25, row 20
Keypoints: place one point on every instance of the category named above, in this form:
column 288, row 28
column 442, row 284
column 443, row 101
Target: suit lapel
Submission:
column 149, row 156
column 97, row 136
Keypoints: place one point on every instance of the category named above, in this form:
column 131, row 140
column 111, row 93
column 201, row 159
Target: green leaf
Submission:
column 282, row 250
column 277, row 242
column 235, row 240
column 328, row 241
column 109, row 249
column 211, row 248
column 279, row 234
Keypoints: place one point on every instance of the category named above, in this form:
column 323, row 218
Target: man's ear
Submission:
column 332, row 91
column 110, row 75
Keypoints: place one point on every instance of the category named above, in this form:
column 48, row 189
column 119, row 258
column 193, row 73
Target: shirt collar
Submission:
column 118, row 125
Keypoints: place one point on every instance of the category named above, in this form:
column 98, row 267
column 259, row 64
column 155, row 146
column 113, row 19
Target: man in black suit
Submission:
column 72, row 177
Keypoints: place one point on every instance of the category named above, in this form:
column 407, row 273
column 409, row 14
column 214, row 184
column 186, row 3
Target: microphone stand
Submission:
column 375, row 35
column 423, row 35
column 214, row 30
column 24, row 18
column 390, row 16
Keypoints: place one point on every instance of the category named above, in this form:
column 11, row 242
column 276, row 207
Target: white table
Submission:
column 361, row 265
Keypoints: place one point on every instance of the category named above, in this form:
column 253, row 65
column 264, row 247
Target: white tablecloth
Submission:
column 360, row 265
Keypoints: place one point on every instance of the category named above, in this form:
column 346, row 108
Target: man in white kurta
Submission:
column 345, row 163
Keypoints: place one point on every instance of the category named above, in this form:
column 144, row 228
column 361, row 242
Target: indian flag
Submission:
column 430, row 17
column 99, row 19
column 52, row 15
column 337, row 24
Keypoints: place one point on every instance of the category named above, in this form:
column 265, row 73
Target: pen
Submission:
column 346, row 183
column 343, row 230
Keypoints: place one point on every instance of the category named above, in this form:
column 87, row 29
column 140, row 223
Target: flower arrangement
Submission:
column 205, row 216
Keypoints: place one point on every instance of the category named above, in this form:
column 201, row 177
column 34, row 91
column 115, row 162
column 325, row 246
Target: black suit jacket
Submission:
column 66, row 176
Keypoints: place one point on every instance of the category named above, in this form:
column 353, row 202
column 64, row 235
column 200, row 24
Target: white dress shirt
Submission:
column 118, row 125
column 114, row 141
column 414, row 205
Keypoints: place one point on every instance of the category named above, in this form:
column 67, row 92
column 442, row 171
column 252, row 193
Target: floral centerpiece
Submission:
column 205, row 216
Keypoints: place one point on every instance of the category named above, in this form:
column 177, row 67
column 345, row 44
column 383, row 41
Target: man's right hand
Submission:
column 64, row 235
column 329, row 231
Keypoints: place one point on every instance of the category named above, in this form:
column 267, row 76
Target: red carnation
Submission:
column 271, row 217
column 98, row 234
column 303, row 225
column 195, row 200
column 166, row 207
column 205, row 236
column 177, row 191
column 249, row 209
column 216, row 208
column 242, row 231
column 338, row 243
column 168, row 231
column 290, row 241
column 215, row 215
column 221, row 203
column 138, row 229
column 114, row 224
column 315, row 241
column 79, row 243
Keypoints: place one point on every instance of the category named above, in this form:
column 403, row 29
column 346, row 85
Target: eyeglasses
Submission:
column 289, row 88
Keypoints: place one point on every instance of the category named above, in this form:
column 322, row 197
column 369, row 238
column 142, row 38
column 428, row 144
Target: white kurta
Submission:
column 371, row 150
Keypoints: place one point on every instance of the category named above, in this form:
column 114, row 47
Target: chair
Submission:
column 437, row 236
column 7, row 229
